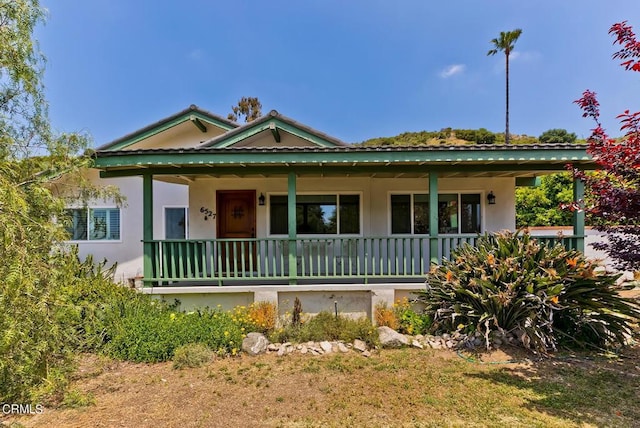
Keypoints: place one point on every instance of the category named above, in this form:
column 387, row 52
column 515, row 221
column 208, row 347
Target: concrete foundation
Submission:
column 352, row 300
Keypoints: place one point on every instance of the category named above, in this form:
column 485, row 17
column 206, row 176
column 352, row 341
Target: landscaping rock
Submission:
column 342, row 347
column 326, row 347
column 359, row 345
column 416, row 344
column 255, row 343
column 389, row 338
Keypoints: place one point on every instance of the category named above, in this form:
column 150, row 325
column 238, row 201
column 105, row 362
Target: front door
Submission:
column 236, row 220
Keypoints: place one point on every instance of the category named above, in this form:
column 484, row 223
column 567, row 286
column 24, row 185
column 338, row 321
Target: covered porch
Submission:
column 259, row 257
column 296, row 260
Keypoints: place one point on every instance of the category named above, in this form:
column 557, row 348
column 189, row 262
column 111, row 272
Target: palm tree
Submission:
column 505, row 43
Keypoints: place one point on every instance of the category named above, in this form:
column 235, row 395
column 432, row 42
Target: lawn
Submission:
column 408, row 387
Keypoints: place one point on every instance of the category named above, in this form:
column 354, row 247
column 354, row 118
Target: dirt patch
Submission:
column 393, row 387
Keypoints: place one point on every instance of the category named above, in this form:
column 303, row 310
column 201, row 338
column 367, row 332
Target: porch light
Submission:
column 261, row 199
column 491, row 198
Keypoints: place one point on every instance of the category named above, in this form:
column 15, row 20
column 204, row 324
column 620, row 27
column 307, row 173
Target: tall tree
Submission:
column 22, row 108
column 248, row 107
column 557, row 136
column 36, row 335
column 615, row 188
column 506, row 43
column 541, row 205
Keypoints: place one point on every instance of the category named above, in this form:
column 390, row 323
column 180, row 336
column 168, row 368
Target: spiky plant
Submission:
column 511, row 282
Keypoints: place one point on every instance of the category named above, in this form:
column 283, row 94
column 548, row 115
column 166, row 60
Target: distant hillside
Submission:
column 448, row 136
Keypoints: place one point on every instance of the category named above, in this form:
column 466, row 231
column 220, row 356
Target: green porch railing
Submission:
column 223, row 260
column 569, row 242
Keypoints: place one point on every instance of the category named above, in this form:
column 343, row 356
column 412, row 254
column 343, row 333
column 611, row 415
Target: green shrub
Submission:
column 75, row 398
column 192, row 355
column 39, row 319
column 411, row 321
column 150, row 331
column 511, row 282
column 326, row 326
column 402, row 317
column 128, row 325
column 94, row 296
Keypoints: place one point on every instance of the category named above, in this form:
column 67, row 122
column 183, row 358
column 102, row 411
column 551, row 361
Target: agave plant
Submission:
column 512, row 283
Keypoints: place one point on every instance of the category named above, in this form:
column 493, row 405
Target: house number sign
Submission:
column 207, row 213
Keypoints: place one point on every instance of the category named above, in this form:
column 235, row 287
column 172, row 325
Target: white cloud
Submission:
column 452, row 70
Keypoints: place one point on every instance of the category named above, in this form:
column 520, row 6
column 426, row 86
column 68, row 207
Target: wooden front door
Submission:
column 236, row 220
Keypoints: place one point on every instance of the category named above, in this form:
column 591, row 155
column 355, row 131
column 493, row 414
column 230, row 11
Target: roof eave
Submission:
column 166, row 123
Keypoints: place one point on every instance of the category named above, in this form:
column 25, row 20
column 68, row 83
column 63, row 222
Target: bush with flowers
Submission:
column 403, row 317
column 511, row 282
column 259, row 316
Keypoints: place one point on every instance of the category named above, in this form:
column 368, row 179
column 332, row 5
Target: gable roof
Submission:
column 273, row 122
column 192, row 113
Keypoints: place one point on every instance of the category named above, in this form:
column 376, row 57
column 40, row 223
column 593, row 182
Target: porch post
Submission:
column 147, row 228
column 433, row 217
column 578, row 215
column 292, row 224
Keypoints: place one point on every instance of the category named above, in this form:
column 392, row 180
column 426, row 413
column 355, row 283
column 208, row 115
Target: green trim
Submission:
column 147, row 225
column 433, row 217
column 187, row 116
column 198, row 123
column 515, row 159
column 328, row 170
column 301, row 133
column 528, row 181
column 272, row 124
column 292, row 226
column 194, row 260
column 275, row 132
column 578, row 215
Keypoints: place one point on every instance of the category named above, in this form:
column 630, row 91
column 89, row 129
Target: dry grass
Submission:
column 392, row 388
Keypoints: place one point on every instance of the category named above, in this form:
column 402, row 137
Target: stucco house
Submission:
column 222, row 213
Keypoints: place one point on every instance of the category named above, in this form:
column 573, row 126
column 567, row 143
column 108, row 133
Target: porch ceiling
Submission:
column 448, row 161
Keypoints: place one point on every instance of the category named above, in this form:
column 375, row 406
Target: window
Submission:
column 457, row 213
column 410, row 214
column 316, row 214
column 470, row 213
column 175, row 222
column 94, row 224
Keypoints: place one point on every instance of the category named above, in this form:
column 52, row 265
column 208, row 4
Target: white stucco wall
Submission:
column 183, row 135
column 375, row 198
column 127, row 252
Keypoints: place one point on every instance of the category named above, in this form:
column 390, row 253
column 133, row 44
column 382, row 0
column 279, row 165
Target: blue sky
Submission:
column 355, row 69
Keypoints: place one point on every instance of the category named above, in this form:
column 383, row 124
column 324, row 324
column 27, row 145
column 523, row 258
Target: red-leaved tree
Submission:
column 614, row 190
